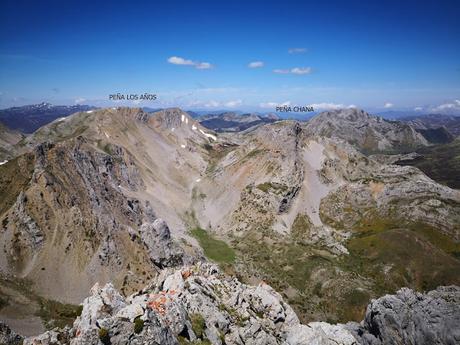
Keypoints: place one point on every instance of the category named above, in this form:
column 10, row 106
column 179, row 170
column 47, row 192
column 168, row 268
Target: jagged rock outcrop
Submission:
column 9, row 337
column 369, row 133
column 409, row 317
column 195, row 303
column 198, row 304
column 157, row 239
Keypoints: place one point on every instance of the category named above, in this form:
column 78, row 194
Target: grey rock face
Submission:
column 412, row 318
column 157, row 239
column 194, row 304
column 28, row 228
column 199, row 304
column 369, row 133
column 9, row 337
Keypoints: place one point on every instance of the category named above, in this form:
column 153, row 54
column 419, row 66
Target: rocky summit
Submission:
column 120, row 226
column 199, row 305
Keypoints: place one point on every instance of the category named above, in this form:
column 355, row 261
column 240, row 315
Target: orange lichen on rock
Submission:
column 159, row 300
column 186, row 274
column 158, row 304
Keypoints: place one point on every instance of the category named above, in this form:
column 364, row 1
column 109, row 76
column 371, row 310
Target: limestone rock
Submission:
column 412, row 318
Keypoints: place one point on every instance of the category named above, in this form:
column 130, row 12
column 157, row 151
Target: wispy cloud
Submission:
column 256, row 64
column 297, row 50
column 455, row 105
column 388, row 105
column 295, row 70
column 330, row 106
column 281, row 71
column 216, row 104
column 203, row 65
column 301, row 70
column 80, row 100
column 233, row 104
column 270, row 105
column 176, row 60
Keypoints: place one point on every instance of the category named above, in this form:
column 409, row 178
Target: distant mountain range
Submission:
column 435, row 128
column 432, row 121
column 29, row 118
column 234, row 122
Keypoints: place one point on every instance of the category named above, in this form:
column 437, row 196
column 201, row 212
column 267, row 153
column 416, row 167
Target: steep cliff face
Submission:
column 72, row 223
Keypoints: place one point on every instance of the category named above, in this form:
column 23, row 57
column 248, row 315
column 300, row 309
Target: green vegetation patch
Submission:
column 104, row 336
column 198, row 324
column 401, row 257
column 214, row 249
column 440, row 162
column 57, row 314
column 277, row 188
column 138, row 325
column 301, row 227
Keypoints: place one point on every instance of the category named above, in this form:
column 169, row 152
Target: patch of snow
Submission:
column 60, row 119
column 172, row 129
column 4, row 162
column 90, row 111
column 194, row 127
column 182, row 117
column 183, row 146
column 198, row 180
column 108, row 136
column 207, row 135
column 186, row 120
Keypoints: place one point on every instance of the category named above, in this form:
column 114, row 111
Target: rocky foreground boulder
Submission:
column 412, row 318
column 200, row 305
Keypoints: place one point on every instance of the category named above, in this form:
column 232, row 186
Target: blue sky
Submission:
column 378, row 55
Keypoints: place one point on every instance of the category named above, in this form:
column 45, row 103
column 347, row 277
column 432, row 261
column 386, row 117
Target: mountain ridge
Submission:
column 295, row 207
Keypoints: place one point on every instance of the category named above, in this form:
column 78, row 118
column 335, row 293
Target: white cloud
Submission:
column 80, row 100
column 295, row 70
column 256, row 64
column 418, row 109
column 176, row 60
column 330, row 106
column 455, row 105
column 281, row 71
column 297, row 50
column 215, row 104
column 203, row 65
column 232, row 104
column 212, row 104
column 274, row 104
column 301, row 70
column 388, row 105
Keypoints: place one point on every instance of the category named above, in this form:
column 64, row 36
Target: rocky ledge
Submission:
column 199, row 305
